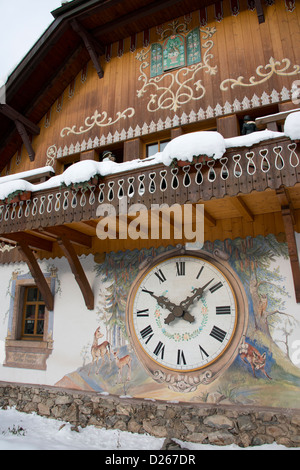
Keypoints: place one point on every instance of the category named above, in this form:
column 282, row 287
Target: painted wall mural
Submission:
column 263, row 372
column 173, row 90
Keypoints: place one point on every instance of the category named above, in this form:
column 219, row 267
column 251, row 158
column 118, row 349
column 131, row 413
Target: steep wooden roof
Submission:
column 59, row 54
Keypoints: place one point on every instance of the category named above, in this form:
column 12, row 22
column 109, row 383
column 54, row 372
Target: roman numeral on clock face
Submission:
column 180, row 268
column 160, row 275
column 216, row 287
column 143, row 313
column 200, row 272
column 226, row 310
column 147, row 291
column 218, row 334
column 180, row 357
column 203, row 352
column 147, row 333
column 159, row 350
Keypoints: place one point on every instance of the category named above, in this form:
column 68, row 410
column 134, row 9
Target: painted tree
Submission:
column 117, row 273
column 254, row 261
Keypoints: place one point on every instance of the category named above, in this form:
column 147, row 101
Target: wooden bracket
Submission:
column 242, row 208
column 210, row 219
column 260, row 11
column 14, row 115
column 74, row 236
column 77, row 270
column 288, row 221
column 26, row 141
column 37, row 274
column 93, row 48
column 32, row 241
column 23, row 125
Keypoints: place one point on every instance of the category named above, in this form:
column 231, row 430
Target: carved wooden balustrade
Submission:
column 270, row 164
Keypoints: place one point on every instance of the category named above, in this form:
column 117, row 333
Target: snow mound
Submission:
column 12, row 186
column 292, row 126
column 252, row 139
column 188, row 146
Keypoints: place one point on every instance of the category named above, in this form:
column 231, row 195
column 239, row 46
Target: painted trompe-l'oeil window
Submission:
column 33, row 314
column 29, row 340
column 175, row 52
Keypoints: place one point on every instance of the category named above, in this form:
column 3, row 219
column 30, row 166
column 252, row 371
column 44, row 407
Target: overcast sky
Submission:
column 22, row 22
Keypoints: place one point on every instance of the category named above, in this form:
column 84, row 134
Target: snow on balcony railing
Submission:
column 268, row 164
column 221, row 167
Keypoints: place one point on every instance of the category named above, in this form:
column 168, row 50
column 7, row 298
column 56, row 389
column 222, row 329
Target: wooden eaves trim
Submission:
column 135, row 16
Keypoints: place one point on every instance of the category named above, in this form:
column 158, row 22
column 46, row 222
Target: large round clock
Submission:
column 186, row 314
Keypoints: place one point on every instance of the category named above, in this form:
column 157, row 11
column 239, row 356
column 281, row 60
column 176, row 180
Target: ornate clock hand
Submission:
column 188, row 317
column 165, row 303
column 198, row 293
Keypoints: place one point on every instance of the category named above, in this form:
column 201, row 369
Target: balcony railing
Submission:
column 269, row 164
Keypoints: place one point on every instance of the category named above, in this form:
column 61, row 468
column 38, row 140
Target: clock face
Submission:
column 183, row 315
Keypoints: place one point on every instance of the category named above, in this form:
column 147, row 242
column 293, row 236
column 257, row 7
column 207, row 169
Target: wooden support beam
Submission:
column 285, row 201
column 289, row 221
column 37, row 274
column 73, row 235
column 209, row 218
column 242, row 208
column 293, row 252
column 26, row 141
column 260, row 11
column 93, row 48
column 77, row 270
column 32, row 241
column 14, row 115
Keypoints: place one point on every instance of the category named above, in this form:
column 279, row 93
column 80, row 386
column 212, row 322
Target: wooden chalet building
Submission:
column 125, row 106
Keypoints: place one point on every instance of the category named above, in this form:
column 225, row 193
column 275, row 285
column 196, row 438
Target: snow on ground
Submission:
column 21, row 431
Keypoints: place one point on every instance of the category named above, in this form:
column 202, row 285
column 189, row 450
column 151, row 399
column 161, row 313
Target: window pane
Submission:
column 34, row 314
column 41, row 312
column 29, row 327
column 152, row 149
column 32, row 294
column 163, row 144
column 40, row 327
column 30, row 312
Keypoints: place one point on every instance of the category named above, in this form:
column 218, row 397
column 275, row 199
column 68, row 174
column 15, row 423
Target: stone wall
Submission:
column 201, row 423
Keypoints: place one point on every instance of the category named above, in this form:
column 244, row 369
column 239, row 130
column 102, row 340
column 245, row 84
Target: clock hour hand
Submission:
column 162, row 300
column 197, row 294
column 188, row 317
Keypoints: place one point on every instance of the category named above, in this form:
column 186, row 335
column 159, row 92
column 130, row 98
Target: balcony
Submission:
column 271, row 164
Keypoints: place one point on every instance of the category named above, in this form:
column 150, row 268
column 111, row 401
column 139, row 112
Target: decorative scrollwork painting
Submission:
column 173, row 90
column 274, row 67
column 97, row 119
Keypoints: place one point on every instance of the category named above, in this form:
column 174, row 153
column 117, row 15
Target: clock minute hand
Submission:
column 198, row 293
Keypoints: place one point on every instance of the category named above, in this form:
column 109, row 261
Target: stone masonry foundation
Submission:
column 200, row 423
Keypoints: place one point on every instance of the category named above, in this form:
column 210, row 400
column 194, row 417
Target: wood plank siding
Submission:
column 128, row 104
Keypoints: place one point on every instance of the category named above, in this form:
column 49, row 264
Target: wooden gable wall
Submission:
column 126, row 104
